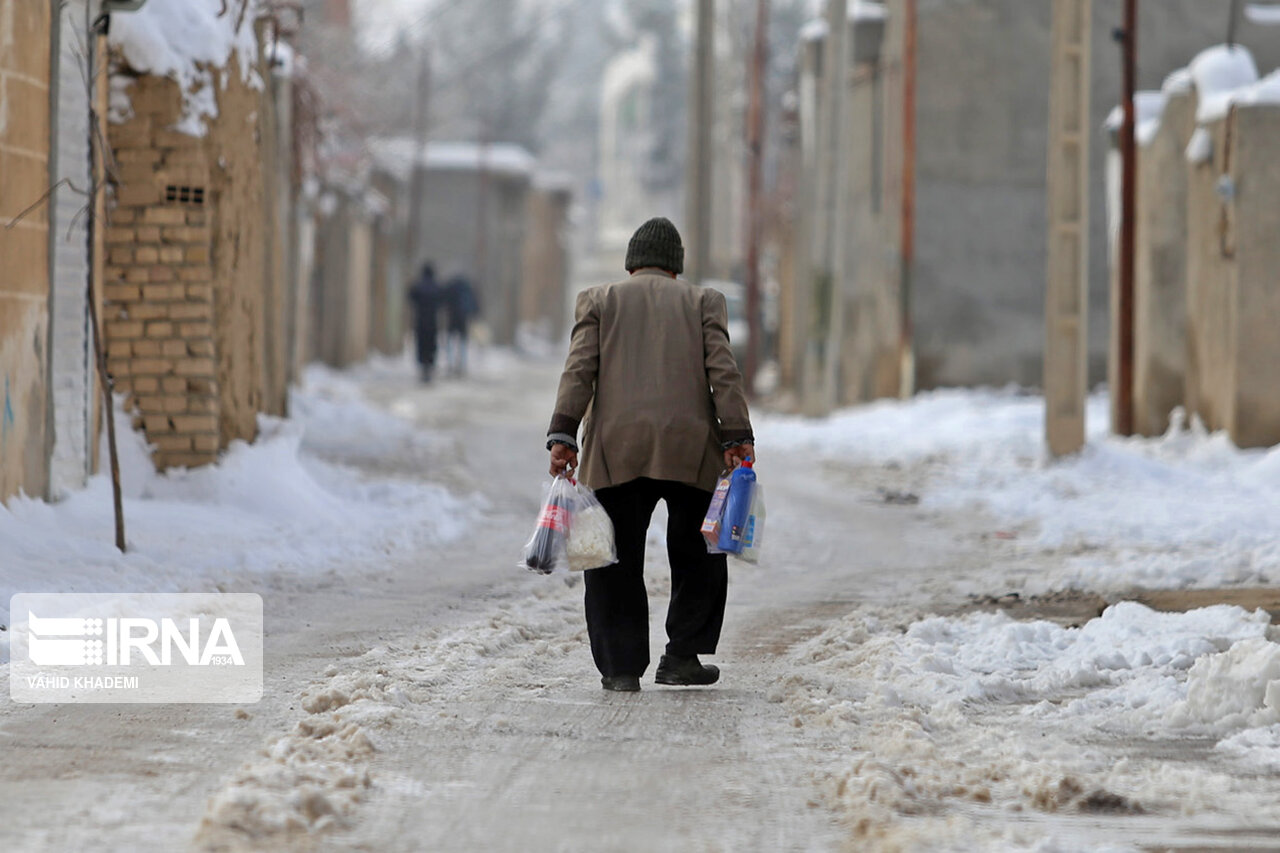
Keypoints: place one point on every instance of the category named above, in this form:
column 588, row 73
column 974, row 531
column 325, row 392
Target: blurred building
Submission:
column 977, row 283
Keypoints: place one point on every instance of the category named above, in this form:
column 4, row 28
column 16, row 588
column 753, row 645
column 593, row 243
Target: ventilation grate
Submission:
column 184, row 195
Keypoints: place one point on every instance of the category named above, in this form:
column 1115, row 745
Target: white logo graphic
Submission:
column 45, row 650
column 49, row 646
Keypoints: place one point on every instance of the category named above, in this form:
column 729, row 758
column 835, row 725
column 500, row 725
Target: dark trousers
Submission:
column 617, row 604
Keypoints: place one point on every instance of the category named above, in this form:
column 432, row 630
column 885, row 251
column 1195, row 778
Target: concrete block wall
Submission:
column 1160, row 340
column 1207, row 302
column 1254, row 239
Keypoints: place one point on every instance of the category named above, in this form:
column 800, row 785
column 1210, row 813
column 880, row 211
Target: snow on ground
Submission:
column 1186, row 509
column 986, row 710
column 275, row 506
column 981, row 712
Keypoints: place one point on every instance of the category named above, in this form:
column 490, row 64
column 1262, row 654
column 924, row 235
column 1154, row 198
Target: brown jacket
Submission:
column 651, row 372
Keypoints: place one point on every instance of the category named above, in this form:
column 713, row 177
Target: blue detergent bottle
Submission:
column 737, row 507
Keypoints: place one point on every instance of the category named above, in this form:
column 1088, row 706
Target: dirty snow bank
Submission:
column 1187, row 508
column 986, row 713
column 187, row 40
column 269, row 507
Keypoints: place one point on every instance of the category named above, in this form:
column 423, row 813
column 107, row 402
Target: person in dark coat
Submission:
column 424, row 295
column 460, row 305
column 653, row 384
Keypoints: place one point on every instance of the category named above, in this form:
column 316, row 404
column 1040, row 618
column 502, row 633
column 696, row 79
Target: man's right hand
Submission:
column 735, row 456
column 561, row 458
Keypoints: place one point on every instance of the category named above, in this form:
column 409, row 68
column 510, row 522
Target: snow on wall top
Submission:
column 1260, row 14
column 500, row 157
column 1148, row 108
column 186, row 40
column 1217, row 72
column 859, row 10
column 397, row 155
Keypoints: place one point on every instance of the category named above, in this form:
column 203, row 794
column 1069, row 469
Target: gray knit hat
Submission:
column 656, row 244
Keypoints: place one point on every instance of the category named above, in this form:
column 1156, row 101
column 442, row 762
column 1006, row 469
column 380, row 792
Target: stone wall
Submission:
column 26, row 434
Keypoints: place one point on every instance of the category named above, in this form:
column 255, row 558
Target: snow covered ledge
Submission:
column 186, row 41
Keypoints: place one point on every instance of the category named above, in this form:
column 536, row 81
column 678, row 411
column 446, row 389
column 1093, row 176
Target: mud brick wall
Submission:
column 159, row 293
column 25, row 433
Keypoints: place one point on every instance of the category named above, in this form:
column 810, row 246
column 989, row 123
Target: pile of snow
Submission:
column 187, row 40
column 1217, row 73
column 986, row 709
column 1187, row 508
column 274, row 507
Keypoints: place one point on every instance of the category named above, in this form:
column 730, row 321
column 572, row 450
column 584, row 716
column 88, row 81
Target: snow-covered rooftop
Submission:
column 398, row 154
column 186, row 40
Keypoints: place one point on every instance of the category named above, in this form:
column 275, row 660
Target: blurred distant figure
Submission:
column 460, row 305
column 424, row 295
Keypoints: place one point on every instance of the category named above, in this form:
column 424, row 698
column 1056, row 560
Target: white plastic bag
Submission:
column 591, row 542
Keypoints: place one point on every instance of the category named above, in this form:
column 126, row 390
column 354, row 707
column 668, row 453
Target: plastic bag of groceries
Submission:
column 546, row 551
column 749, row 528
column 591, row 542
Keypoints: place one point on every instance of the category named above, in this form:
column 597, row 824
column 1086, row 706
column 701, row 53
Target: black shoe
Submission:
column 685, row 671
column 621, row 683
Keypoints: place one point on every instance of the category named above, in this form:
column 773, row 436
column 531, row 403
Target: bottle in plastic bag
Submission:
column 545, row 551
column 755, row 527
column 737, row 506
column 715, row 512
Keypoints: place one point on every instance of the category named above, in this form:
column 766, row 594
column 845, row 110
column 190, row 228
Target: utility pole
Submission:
column 1128, row 214
column 755, row 154
column 418, row 174
column 701, row 120
column 906, row 268
column 1231, row 24
column 1067, row 291
column 823, row 352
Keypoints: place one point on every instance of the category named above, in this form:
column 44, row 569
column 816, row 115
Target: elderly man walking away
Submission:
column 650, row 359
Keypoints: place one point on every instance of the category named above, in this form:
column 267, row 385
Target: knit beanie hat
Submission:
column 656, row 244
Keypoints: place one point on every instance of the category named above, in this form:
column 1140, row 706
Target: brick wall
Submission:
column 158, row 298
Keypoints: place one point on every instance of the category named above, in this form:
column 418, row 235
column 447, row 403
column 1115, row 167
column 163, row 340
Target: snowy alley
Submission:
column 936, row 651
